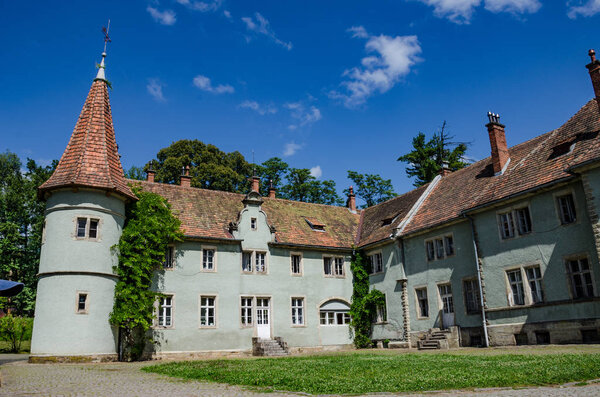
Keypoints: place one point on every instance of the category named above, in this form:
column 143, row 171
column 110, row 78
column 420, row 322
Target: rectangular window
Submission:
column 439, row 248
column 261, row 264
column 423, row 302
column 93, row 231
column 207, row 311
column 566, row 208
column 334, row 318
column 81, row 226
column 339, row 267
column 208, row 259
column 82, row 303
column 247, row 262
column 298, row 311
column 430, row 250
column 296, row 260
column 516, row 286
column 165, row 311
column 253, row 225
column 246, row 311
column 376, row 263
column 472, row 297
column 169, row 258
column 447, row 298
column 523, row 220
column 580, row 275
column 449, row 243
column 534, row 278
column 380, row 314
column 327, row 266
column 507, row 226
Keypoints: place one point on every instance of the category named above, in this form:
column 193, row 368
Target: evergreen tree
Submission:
column 371, row 188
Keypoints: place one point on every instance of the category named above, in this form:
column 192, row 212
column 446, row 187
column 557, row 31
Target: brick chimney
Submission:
column 150, row 173
column 255, row 184
column 445, row 170
column 351, row 202
column 272, row 190
column 186, row 179
column 594, row 70
column 500, row 156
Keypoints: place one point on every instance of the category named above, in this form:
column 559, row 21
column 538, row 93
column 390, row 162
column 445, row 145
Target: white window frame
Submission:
column 214, row 307
column 514, row 230
column 441, row 303
column 559, row 212
column 538, row 297
column 214, row 258
column 516, row 283
column 570, row 280
column 158, row 306
column 300, row 264
column 85, row 310
column 528, row 298
column 334, row 261
column 86, row 233
column 244, row 308
column 433, row 243
column 254, row 255
column 376, row 261
column 298, row 311
column 332, row 318
column 420, row 315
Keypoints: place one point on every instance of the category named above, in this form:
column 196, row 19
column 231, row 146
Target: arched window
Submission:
column 334, row 312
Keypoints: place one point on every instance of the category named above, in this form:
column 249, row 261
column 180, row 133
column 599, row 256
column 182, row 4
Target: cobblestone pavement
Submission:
column 118, row 379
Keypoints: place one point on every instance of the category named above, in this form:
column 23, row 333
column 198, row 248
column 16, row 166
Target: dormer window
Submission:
column 253, row 225
column 387, row 221
column 315, row 224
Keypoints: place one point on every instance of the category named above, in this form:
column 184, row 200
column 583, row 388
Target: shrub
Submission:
column 15, row 330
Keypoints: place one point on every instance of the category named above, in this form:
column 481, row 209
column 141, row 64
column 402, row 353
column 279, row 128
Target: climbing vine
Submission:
column 364, row 302
column 149, row 228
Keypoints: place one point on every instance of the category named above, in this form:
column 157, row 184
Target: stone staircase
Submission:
column 434, row 339
column 269, row 347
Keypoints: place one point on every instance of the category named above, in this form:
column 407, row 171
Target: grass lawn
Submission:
column 369, row 372
column 5, row 346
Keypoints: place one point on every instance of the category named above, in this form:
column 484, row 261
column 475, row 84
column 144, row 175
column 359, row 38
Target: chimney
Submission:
column 500, row 156
column 150, row 173
column 186, row 179
column 351, row 203
column 594, row 70
column 271, row 189
column 255, row 184
column 445, row 170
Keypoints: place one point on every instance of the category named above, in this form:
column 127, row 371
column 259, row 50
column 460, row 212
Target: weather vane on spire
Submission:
column 106, row 37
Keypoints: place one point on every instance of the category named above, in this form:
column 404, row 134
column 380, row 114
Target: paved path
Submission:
column 118, row 379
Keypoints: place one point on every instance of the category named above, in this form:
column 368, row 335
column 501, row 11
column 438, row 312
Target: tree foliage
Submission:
column 15, row 330
column 21, row 225
column 149, row 228
column 428, row 156
column 364, row 302
column 136, row 173
column 371, row 188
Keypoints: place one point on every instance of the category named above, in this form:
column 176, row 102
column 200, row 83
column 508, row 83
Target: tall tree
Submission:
column 371, row 188
column 427, row 157
column 302, row 186
column 275, row 170
column 21, row 226
column 135, row 172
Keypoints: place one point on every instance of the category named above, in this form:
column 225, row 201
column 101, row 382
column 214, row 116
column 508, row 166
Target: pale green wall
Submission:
column 67, row 266
column 228, row 283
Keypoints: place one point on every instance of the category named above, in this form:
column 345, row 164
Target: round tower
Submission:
column 85, row 212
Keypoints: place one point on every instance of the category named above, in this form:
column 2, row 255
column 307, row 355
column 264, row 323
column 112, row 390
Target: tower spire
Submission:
column 101, row 75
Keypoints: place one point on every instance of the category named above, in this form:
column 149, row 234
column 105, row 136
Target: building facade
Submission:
column 502, row 252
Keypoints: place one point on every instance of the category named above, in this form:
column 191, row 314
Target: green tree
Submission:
column 275, row 170
column 21, row 225
column 149, row 228
column 302, row 186
column 210, row 168
column 427, row 157
column 371, row 188
column 135, row 172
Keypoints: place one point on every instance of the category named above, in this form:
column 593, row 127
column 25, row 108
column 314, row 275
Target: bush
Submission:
column 15, row 330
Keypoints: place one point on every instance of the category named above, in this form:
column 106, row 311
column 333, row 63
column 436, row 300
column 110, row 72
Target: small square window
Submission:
column 82, row 302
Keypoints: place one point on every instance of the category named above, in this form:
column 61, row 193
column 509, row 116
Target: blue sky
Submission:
column 328, row 85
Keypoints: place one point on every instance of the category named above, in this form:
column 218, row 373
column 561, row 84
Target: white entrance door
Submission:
column 448, row 305
column 263, row 318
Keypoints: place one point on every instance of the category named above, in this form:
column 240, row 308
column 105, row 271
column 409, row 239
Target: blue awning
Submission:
column 10, row 288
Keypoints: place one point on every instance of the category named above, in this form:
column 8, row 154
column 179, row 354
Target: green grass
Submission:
column 5, row 346
column 373, row 372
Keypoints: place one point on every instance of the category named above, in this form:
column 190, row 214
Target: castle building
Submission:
column 502, row 252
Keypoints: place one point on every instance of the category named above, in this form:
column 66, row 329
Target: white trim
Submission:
column 301, row 264
column 214, row 258
column 215, row 306
column 417, row 205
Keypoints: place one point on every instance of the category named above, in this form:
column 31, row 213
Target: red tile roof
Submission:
column 91, row 158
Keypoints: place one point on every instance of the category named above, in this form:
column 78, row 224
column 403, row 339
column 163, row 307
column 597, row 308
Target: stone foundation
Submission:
column 559, row 332
column 93, row 358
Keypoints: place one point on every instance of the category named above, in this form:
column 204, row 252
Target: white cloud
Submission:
column 458, row 11
column 154, row 88
column 260, row 25
column 258, row 108
column 227, row 14
column 392, row 58
column 291, row 148
column 586, row 9
column 166, row 17
column 316, row 171
column 303, row 114
column 513, row 6
column 201, row 6
column 204, row 83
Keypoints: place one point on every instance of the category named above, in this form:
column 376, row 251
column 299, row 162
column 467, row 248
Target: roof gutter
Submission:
column 215, row 239
column 311, row 247
column 572, row 168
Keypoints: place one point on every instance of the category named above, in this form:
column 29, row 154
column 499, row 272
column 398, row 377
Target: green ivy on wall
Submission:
column 149, row 229
column 364, row 302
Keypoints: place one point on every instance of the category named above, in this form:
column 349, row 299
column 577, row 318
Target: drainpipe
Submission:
column 485, row 333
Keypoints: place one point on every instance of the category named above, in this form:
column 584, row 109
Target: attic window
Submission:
column 387, row 221
column 562, row 149
column 315, row 224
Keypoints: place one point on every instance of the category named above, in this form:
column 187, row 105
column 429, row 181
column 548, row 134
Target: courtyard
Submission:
column 553, row 371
